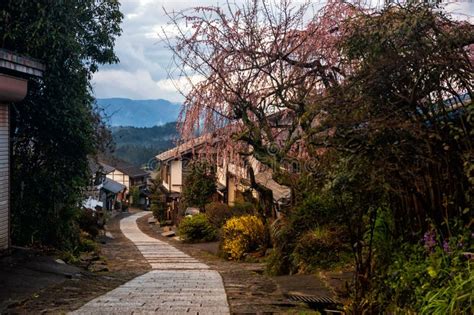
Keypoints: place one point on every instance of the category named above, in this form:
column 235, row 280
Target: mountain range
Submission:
column 138, row 113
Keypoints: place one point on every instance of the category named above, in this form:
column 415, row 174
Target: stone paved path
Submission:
column 178, row 283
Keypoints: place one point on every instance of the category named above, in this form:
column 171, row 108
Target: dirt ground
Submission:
column 123, row 260
column 248, row 290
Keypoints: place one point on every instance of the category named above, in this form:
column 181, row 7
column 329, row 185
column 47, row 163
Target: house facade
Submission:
column 15, row 70
column 235, row 181
column 130, row 176
column 172, row 174
column 232, row 181
column 174, row 166
column 103, row 192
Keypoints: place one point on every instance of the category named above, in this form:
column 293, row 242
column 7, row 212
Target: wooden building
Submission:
column 125, row 173
column 174, row 163
column 174, row 167
column 232, row 181
column 14, row 73
column 103, row 191
column 130, row 176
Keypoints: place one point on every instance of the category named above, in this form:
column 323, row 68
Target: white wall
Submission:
column 120, row 177
column 221, row 174
column 237, row 170
column 176, row 175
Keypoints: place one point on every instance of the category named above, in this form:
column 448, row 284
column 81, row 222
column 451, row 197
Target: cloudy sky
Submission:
column 145, row 61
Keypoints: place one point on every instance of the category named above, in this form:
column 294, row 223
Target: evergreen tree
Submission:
column 57, row 125
column 200, row 185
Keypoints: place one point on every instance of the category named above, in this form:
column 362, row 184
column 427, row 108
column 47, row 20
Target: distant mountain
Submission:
column 139, row 113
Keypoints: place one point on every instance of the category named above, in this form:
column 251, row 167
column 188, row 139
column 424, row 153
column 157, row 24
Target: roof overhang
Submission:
column 19, row 64
column 280, row 192
column 14, row 73
column 185, row 148
column 113, row 186
column 107, row 169
column 12, row 89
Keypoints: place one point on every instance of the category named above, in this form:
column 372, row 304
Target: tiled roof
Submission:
column 280, row 192
column 95, row 166
column 184, row 148
column 113, row 186
column 15, row 62
column 107, row 168
column 122, row 166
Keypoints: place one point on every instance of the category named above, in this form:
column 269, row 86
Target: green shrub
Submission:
column 218, row 213
column 278, row 262
column 86, row 244
column 312, row 212
column 87, row 221
column 322, row 247
column 455, row 297
column 200, row 184
column 158, row 208
column 196, row 228
column 135, row 196
column 243, row 208
column 430, row 278
column 242, row 235
column 69, row 257
column 293, row 237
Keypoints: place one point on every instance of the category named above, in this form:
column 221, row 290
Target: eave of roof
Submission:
column 280, row 192
column 14, row 62
column 184, row 148
column 132, row 171
column 113, row 186
column 107, row 168
column 116, row 164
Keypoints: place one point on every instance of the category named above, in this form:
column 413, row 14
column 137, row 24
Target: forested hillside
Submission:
column 139, row 145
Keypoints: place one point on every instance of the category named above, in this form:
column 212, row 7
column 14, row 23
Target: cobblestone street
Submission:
column 176, row 284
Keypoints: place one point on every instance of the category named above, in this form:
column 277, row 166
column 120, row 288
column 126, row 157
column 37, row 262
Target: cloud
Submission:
column 145, row 61
column 132, row 84
column 180, row 84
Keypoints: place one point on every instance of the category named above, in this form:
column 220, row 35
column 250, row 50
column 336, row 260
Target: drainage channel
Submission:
column 323, row 304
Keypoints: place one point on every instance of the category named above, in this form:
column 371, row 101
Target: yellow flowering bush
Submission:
column 241, row 235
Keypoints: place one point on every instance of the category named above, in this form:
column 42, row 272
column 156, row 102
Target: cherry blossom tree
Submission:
column 263, row 66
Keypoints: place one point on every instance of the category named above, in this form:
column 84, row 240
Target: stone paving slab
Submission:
column 178, row 283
